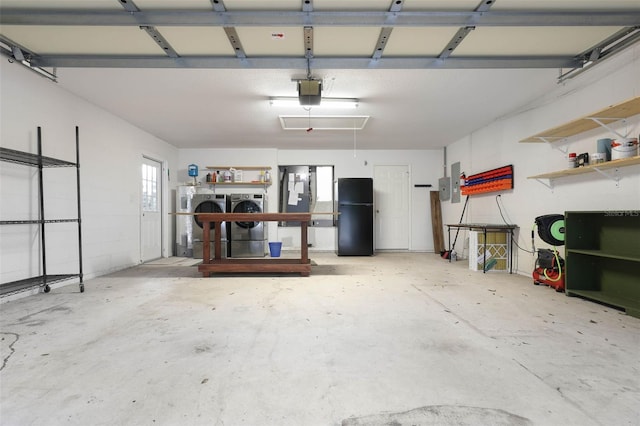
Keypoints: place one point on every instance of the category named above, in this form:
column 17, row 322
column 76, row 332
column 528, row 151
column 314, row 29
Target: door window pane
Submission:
column 149, row 188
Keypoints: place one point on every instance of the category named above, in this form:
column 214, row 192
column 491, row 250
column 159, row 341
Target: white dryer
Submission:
column 248, row 239
column 208, row 203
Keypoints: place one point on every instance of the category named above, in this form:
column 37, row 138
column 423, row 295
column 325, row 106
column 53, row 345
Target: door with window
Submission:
column 391, row 190
column 151, row 216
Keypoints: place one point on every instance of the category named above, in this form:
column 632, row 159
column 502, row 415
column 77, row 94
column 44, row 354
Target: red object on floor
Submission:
column 553, row 281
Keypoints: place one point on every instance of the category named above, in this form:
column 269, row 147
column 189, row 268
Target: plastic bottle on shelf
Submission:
column 267, row 176
column 572, row 160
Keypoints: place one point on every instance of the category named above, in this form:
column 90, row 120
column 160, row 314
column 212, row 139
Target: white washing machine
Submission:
column 208, row 203
column 248, row 239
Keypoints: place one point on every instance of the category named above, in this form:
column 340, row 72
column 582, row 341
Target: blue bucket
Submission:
column 274, row 249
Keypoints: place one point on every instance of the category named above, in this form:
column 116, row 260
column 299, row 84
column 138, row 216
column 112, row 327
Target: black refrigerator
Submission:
column 355, row 218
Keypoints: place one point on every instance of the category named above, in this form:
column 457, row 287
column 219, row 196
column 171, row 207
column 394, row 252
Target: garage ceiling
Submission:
column 199, row 73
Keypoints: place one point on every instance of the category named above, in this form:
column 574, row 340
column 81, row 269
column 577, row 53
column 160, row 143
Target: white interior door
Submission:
column 151, row 216
column 391, row 189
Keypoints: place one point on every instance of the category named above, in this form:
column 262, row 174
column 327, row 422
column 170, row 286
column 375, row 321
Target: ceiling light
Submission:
column 338, row 103
column 323, row 122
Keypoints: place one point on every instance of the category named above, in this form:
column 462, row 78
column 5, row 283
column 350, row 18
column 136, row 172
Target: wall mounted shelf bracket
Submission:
column 548, row 183
column 551, row 140
column 599, row 121
column 613, row 175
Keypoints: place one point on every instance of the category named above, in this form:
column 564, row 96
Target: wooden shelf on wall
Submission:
column 607, row 115
column 251, row 182
column 239, row 167
column 238, row 183
column 614, row 164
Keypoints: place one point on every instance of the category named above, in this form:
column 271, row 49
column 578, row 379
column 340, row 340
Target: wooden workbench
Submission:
column 274, row 265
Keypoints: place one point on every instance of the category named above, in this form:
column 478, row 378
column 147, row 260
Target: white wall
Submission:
column 497, row 145
column 425, row 168
column 111, row 153
column 112, row 149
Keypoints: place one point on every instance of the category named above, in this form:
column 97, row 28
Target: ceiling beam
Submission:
column 484, row 5
column 15, row 52
column 308, row 42
column 213, row 18
column 307, row 7
column 129, row 5
column 610, row 46
column 230, row 31
column 234, row 40
column 463, row 32
column 218, row 5
column 162, row 42
column 217, row 62
column 455, row 41
column 385, row 33
column 383, row 38
column 10, row 46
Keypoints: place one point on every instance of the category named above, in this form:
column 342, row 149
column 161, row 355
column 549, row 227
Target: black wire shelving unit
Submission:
column 45, row 280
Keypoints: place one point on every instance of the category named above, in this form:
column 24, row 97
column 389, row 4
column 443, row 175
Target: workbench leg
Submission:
column 218, row 240
column 304, row 242
column 304, row 246
column 206, row 246
column 206, row 243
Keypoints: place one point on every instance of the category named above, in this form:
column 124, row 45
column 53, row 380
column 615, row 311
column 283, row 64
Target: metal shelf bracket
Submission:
column 598, row 120
column 563, row 149
column 612, row 176
column 548, row 185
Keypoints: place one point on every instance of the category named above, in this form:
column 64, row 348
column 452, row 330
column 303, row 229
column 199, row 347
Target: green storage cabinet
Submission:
column 602, row 251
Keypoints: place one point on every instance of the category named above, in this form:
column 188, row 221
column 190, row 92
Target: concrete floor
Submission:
column 394, row 339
